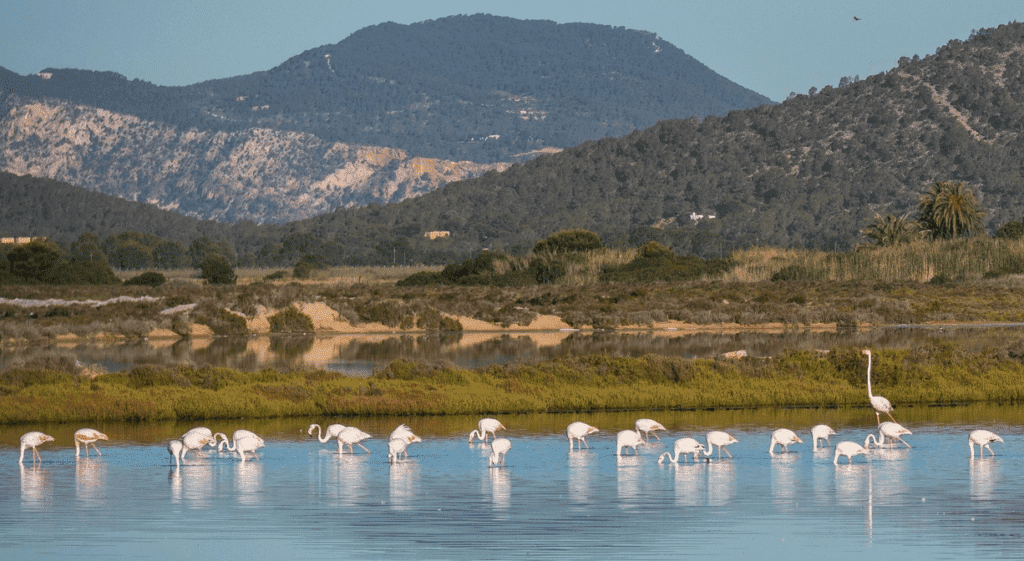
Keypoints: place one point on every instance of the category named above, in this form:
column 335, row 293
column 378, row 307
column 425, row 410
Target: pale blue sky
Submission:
column 773, row 48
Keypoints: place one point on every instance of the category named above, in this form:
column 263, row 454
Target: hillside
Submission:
column 809, row 172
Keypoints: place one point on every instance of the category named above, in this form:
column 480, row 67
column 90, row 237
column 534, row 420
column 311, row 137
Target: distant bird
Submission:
column 486, row 426
column 648, row 426
column 31, row 440
column 855, row 18
column 196, row 439
column 87, row 437
column 243, row 442
column 352, row 436
column 982, row 438
column 498, row 449
column 783, row 437
column 878, row 403
column 627, row 439
column 403, row 432
column 821, row 432
column 889, row 430
column 848, row 449
column 174, row 449
column 683, row 446
column 720, row 439
column 578, row 431
column 332, row 432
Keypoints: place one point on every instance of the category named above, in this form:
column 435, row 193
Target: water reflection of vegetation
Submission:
column 940, row 373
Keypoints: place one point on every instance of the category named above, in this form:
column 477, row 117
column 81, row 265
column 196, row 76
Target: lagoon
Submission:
column 302, row 500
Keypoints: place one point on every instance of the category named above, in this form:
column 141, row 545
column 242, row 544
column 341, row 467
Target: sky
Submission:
column 773, row 48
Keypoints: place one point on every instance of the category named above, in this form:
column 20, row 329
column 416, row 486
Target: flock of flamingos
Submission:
column 244, row 442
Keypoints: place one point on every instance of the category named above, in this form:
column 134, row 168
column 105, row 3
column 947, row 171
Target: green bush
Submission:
column 565, row 241
column 793, row 273
column 220, row 321
column 216, row 269
column 147, row 279
column 290, row 320
column 78, row 272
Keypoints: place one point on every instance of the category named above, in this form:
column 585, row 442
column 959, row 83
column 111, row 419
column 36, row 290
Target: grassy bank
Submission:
column 941, row 374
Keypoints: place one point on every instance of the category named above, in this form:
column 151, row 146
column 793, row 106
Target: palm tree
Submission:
column 892, row 230
column 949, row 210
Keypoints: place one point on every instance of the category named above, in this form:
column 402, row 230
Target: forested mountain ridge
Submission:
column 480, row 88
column 809, row 172
column 391, row 112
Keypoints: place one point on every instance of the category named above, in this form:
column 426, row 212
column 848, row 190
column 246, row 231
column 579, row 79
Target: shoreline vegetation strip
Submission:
column 937, row 374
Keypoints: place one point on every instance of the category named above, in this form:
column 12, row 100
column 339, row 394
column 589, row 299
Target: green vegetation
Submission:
column 940, row 374
column 290, row 320
column 216, row 269
column 950, row 210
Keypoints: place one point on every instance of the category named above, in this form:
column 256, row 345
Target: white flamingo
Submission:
column 578, row 431
column 627, row 439
column 982, row 438
column 848, row 449
column 352, row 436
column 683, row 446
column 403, row 432
column 889, row 430
column 243, row 442
column 821, row 432
column 783, row 437
column 486, row 426
column 87, row 437
column 196, row 439
column 720, row 439
column 878, row 403
column 174, row 449
column 498, row 449
column 31, row 440
column 648, row 426
column 332, row 432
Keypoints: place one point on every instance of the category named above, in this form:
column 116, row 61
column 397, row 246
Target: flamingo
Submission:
column 683, row 446
column 87, row 437
column 878, row 403
column 720, row 439
column 31, row 440
column 174, row 449
column 196, row 439
column 627, row 439
column 982, row 438
column 332, row 432
column 403, row 432
column 485, row 426
column 889, row 430
column 648, row 426
column 498, row 449
column 783, row 437
column 848, row 449
column 352, row 436
column 578, row 431
column 242, row 441
column 821, row 432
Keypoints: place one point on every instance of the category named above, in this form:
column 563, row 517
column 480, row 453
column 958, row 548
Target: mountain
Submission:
column 391, row 112
column 810, row 172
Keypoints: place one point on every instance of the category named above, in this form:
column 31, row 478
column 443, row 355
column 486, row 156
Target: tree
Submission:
column 569, row 241
column 87, row 249
column 216, row 269
column 949, row 210
column 31, row 261
column 892, row 230
column 170, row 255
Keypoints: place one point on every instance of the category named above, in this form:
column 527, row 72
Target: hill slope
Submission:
column 806, row 173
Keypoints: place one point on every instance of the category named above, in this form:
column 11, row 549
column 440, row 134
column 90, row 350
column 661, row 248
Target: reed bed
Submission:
column 922, row 261
column 940, row 374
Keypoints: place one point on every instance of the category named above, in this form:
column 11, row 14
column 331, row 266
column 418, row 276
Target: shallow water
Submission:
column 361, row 355
column 302, row 499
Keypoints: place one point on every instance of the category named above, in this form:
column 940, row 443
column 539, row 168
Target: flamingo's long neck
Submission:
column 321, row 437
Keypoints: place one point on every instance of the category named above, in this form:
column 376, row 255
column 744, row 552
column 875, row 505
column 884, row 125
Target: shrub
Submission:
column 569, row 241
column 221, row 321
column 290, row 320
column 216, row 269
column 78, row 272
column 147, row 279
column 305, row 266
column 793, row 272
column 276, row 275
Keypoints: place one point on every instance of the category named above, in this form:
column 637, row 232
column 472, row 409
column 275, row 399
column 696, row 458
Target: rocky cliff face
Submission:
column 257, row 174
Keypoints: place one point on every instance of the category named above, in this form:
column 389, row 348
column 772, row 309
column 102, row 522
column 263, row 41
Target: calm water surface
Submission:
column 303, row 500
column 360, row 355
